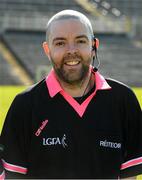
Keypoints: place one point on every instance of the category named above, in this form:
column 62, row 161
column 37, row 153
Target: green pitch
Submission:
column 7, row 94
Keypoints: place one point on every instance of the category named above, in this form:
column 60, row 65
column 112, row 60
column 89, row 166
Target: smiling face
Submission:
column 70, row 49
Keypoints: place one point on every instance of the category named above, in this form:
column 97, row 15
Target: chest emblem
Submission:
column 55, row 141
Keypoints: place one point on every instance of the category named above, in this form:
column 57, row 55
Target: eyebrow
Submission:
column 58, row 39
column 62, row 38
column 82, row 36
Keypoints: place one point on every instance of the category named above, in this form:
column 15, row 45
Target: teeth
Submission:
column 71, row 63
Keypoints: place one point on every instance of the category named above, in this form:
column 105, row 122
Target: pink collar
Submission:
column 54, row 86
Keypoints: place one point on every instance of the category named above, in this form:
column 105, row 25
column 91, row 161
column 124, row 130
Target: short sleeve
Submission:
column 132, row 156
column 15, row 136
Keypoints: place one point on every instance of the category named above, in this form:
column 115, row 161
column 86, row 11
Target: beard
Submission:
column 72, row 76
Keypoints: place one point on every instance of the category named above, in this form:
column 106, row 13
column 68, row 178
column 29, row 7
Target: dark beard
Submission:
column 64, row 76
column 72, row 76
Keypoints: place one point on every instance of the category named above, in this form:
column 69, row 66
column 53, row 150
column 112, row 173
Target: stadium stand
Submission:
column 129, row 8
column 24, row 14
column 120, row 58
column 27, row 48
column 23, row 31
column 119, row 55
column 36, row 6
column 128, row 11
column 7, row 75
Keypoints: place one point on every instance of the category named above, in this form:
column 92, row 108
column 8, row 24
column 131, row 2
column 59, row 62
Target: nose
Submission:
column 71, row 48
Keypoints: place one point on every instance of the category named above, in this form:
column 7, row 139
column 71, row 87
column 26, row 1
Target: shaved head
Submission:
column 69, row 14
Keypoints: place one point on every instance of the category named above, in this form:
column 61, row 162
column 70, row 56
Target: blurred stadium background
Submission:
column 117, row 24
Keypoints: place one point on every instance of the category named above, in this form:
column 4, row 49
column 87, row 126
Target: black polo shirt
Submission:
column 48, row 134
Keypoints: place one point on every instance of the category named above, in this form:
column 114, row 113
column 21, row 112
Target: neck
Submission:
column 80, row 89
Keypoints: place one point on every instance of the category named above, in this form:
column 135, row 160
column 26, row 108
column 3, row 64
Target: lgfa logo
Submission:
column 55, row 141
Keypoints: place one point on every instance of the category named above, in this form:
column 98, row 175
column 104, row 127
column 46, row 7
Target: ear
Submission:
column 95, row 46
column 96, row 41
column 46, row 49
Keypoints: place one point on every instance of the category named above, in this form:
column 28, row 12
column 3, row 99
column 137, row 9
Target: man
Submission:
column 74, row 123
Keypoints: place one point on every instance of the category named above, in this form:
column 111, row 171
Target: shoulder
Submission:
column 121, row 90
column 25, row 98
column 118, row 86
column 31, row 90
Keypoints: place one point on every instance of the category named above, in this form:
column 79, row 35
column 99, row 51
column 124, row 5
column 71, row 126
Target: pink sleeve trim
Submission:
column 131, row 163
column 14, row 168
column 2, row 176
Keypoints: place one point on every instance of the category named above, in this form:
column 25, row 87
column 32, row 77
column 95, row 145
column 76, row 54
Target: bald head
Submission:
column 66, row 15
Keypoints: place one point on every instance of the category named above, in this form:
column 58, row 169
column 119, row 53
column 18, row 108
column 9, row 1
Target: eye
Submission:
column 81, row 41
column 60, row 43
